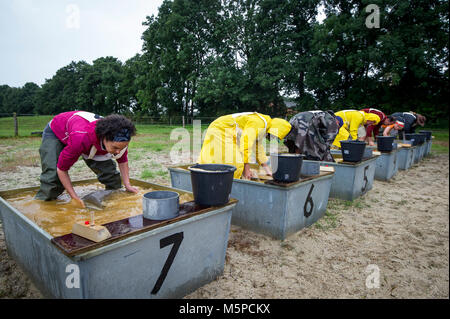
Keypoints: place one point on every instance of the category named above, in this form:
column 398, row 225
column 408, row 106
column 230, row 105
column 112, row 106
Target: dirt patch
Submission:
column 399, row 230
column 11, row 161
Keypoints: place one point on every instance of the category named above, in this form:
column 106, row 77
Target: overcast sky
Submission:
column 38, row 37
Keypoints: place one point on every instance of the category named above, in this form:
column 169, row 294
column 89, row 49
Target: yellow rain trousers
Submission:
column 230, row 139
column 352, row 121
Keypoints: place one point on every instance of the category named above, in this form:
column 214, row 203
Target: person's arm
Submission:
column 67, row 183
column 354, row 125
column 370, row 130
column 124, row 172
column 370, row 141
column 261, row 152
column 387, row 130
column 408, row 128
column 267, row 169
column 248, row 139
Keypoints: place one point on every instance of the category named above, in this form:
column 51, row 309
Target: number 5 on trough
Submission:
column 366, row 181
column 176, row 240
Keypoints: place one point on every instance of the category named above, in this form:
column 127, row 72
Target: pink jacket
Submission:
column 79, row 136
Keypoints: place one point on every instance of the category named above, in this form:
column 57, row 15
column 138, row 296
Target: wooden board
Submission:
column 327, row 168
column 71, row 244
column 262, row 177
column 303, row 178
column 90, row 231
column 377, row 153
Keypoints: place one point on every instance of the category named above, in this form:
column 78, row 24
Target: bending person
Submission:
column 230, row 139
column 313, row 133
column 353, row 120
column 97, row 139
column 410, row 120
column 373, row 130
column 393, row 129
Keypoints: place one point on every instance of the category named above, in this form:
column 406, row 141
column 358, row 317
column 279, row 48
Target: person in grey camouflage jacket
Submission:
column 312, row 134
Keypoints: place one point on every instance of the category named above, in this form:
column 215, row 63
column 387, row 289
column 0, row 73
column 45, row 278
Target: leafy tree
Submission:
column 176, row 48
column 60, row 93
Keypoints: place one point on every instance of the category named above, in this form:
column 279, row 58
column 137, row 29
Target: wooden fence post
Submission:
column 16, row 125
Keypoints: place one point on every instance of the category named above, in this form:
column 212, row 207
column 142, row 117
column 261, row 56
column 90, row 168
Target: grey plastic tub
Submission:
column 160, row 205
column 310, row 168
column 272, row 210
column 350, row 181
column 165, row 262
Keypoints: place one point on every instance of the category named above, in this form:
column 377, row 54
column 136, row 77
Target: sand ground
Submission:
column 398, row 231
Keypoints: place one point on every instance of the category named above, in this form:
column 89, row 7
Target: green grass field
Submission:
column 26, row 125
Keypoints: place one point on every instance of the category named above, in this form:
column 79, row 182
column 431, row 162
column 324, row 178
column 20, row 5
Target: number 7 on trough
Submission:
column 176, row 240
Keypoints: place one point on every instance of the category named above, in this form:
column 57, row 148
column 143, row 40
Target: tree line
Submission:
column 214, row 57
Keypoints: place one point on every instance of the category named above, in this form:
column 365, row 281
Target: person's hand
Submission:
column 79, row 202
column 247, row 173
column 371, row 143
column 267, row 169
column 131, row 189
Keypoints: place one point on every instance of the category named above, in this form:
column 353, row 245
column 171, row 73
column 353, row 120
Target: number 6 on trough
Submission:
column 176, row 240
column 309, row 200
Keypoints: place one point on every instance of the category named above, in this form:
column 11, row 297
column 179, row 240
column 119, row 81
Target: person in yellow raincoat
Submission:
column 230, row 140
column 352, row 121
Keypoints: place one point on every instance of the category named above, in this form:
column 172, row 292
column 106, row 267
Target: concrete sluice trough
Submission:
column 420, row 152
column 351, row 179
column 405, row 157
column 428, row 148
column 142, row 259
column 424, row 149
column 387, row 165
column 272, row 208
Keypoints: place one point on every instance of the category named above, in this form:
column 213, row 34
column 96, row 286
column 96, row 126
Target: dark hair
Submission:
column 114, row 125
column 391, row 119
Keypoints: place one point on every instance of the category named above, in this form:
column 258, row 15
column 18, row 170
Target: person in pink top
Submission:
column 97, row 139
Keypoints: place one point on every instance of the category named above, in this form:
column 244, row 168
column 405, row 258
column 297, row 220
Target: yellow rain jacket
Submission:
column 352, row 121
column 230, row 139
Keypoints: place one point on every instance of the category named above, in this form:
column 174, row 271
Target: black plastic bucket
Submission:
column 211, row 183
column 352, row 151
column 385, row 143
column 412, row 137
column 421, row 137
column 286, row 167
column 427, row 133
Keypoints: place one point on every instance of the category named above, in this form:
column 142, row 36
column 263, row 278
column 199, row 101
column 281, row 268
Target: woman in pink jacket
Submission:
column 97, row 139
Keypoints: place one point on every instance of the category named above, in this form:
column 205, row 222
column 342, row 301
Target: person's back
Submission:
column 408, row 118
column 312, row 134
column 230, row 139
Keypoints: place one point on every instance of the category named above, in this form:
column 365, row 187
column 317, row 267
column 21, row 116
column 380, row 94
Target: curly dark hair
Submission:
column 110, row 126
